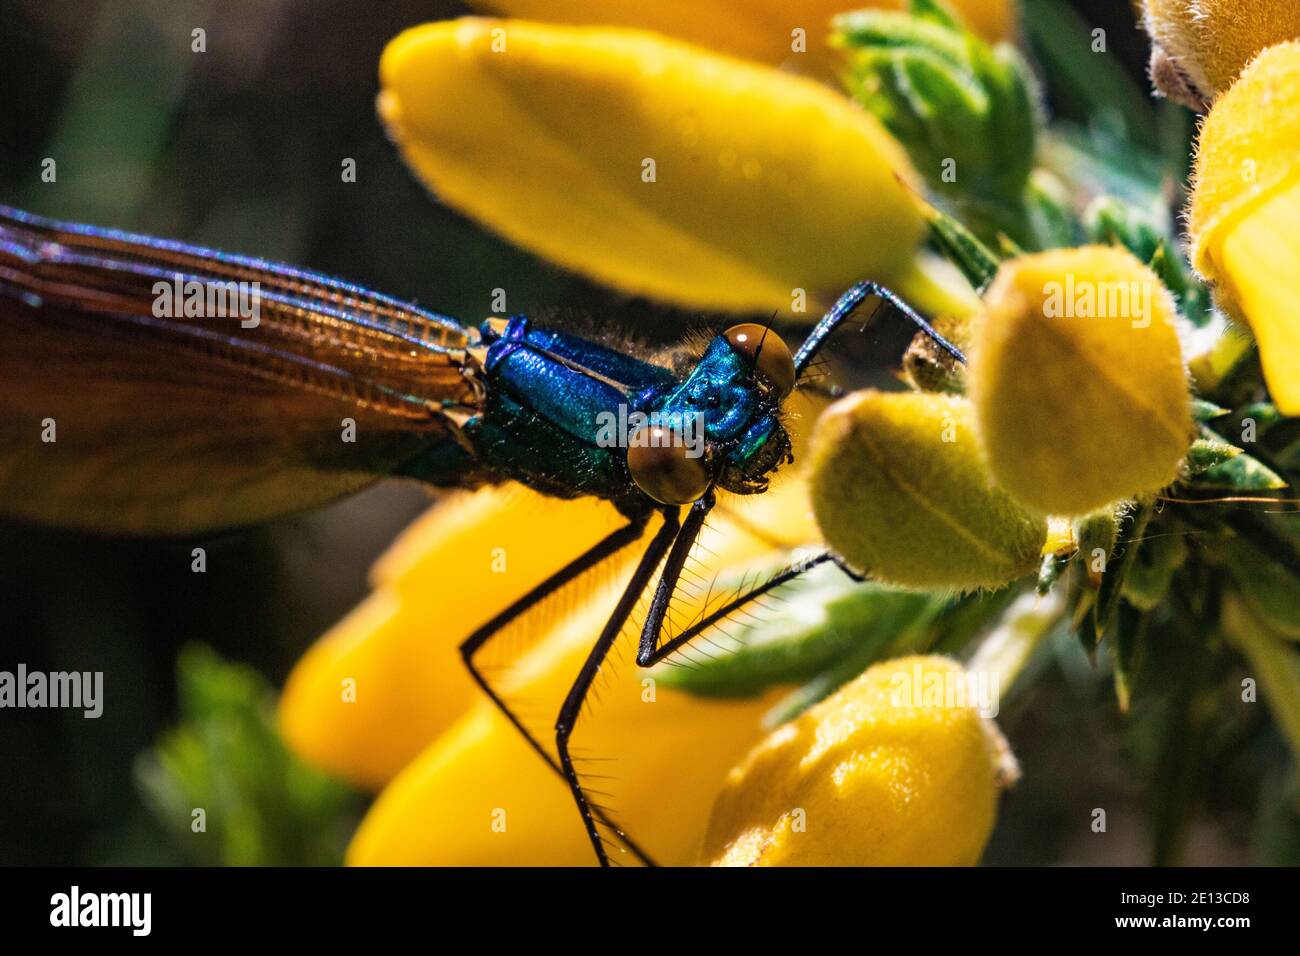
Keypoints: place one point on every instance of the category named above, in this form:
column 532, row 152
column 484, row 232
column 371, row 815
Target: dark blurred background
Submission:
column 240, row 148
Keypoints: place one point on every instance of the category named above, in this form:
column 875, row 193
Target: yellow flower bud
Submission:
column 1198, row 47
column 1078, row 382
column 896, row 768
column 1245, row 207
column 653, row 166
column 899, row 489
column 757, row 31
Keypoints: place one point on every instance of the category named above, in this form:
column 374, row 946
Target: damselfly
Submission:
column 193, row 390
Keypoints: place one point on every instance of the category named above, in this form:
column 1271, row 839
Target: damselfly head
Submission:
column 722, row 426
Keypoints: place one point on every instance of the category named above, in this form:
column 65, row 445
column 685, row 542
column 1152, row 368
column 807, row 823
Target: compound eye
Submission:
column 770, row 357
column 664, row 468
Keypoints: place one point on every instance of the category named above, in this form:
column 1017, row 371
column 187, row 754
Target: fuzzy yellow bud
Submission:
column 656, row 167
column 1078, row 382
column 899, row 489
column 1245, row 207
column 1198, row 47
column 897, row 768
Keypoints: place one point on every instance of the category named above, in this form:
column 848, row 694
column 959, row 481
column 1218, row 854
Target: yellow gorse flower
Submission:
column 896, row 768
column 654, row 166
column 1077, row 378
column 1200, row 46
column 477, row 794
column 370, row 695
column 1245, row 207
column 761, row 30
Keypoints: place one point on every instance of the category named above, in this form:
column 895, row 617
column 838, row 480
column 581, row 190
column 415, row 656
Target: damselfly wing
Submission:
column 114, row 417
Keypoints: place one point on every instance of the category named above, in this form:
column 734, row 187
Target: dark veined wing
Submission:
column 165, row 423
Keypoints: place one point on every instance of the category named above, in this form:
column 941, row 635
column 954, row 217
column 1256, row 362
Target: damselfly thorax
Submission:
column 152, row 387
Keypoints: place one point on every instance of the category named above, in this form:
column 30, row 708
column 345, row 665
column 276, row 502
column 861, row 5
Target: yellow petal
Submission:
column 388, row 678
column 887, row 771
column 1200, row 46
column 900, row 490
column 479, row 796
column 1245, row 207
column 653, row 166
column 756, row 29
column 1077, row 378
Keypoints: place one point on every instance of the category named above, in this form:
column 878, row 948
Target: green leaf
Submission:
column 1243, row 473
column 1094, row 84
column 967, row 113
column 1274, row 663
column 977, row 262
column 1096, row 163
column 1130, row 627
column 225, row 766
column 1131, row 536
column 1272, row 592
column 832, row 619
column 1051, row 220
column 1050, row 572
column 934, row 12
column 1150, row 576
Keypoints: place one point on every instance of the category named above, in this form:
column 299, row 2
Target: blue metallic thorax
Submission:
column 546, row 394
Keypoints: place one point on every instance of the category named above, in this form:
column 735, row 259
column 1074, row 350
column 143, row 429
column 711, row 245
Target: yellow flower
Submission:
column 900, row 490
column 897, row 768
column 1077, row 378
column 755, row 29
column 654, row 166
column 370, row 695
column 479, row 796
column 1200, row 46
column 1245, row 207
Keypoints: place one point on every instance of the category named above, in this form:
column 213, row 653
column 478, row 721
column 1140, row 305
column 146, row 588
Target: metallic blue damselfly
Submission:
column 196, row 390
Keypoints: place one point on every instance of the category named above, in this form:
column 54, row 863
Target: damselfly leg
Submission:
column 604, row 550
column 844, row 308
column 577, row 696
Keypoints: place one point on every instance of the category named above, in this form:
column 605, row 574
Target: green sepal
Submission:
column 1243, row 473
column 1207, row 453
column 1203, row 411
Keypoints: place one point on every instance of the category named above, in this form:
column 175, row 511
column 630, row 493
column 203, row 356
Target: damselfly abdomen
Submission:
column 152, row 387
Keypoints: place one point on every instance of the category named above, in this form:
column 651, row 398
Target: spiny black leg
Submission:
column 572, row 707
column 650, row 652
column 846, row 305
column 844, row 566
column 604, row 549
